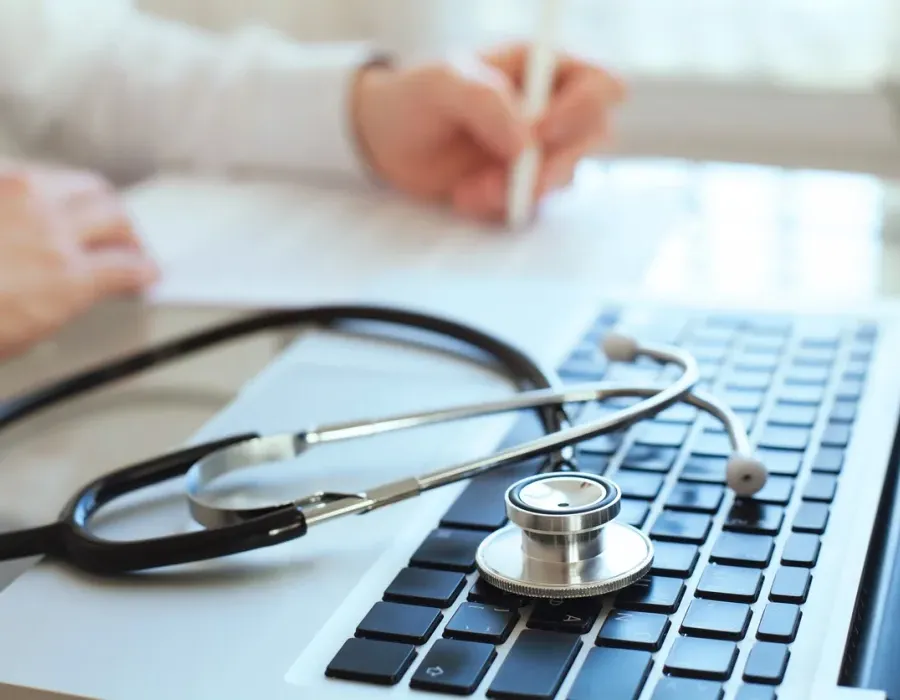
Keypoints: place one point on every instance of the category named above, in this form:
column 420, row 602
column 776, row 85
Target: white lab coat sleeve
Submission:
column 96, row 83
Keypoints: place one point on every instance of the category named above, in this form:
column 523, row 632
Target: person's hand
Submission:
column 450, row 131
column 65, row 245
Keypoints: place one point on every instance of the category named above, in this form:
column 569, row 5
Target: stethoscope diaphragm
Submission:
column 563, row 540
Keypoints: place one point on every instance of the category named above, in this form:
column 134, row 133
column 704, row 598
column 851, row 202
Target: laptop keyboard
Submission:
column 724, row 599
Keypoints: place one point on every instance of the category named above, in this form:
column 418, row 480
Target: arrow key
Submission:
column 454, row 666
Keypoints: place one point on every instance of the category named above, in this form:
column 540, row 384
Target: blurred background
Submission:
column 798, row 83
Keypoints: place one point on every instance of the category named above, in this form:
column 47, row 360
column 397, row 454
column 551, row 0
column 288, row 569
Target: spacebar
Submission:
column 536, row 666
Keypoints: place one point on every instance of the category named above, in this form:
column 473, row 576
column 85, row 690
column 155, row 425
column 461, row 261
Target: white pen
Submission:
column 539, row 78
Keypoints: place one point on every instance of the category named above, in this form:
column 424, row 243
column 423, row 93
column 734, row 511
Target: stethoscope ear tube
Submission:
column 283, row 447
column 225, row 531
column 112, row 557
column 69, row 539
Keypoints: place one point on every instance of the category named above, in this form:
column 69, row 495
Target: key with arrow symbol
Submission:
column 454, row 666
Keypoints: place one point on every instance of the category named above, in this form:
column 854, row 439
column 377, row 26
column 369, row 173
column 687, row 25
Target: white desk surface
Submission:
column 697, row 231
column 742, row 235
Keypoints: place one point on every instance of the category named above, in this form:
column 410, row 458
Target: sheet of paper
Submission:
column 252, row 244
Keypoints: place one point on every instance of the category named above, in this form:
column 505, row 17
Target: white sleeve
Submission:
column 96, row 83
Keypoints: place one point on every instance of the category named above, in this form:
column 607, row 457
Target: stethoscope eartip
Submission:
column 745, row 475
column 619, row 347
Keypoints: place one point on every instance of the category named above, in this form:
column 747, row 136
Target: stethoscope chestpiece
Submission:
column 563, row 540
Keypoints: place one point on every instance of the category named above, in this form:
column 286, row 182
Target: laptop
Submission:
column 785, row 596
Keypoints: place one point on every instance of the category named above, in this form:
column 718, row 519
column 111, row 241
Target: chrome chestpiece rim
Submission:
column 563, row 540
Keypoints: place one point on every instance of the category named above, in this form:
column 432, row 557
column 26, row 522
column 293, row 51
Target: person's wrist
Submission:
column 367, row 88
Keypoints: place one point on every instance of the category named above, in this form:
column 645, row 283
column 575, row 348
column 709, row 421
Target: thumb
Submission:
column 482, row 100
column 111, row 272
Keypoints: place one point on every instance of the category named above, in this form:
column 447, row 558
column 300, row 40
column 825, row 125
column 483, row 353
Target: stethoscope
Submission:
column 563, row 539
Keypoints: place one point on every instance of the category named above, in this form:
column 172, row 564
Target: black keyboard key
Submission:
column 706, row 659
column 856, row 369
column 791, row 585
column 742, row 380
column 710, row 372
column 712, row 444
column 639, row 484
column 744, row 400
column 587, row 462
column 575, row 615
column 634, row 512
column 650, row 459
column 767, row 663
column 586, row 350
column 746, row 418
column 821, row 488
column 631, row 629
column 712, row 335
column 425, row 587
column 814, row 358
column 849, row 389
column 755, row 518
column 674, row 559
column 708, row 356
column 450, row 550
column 371, row 661
column 690, row 528
column 801, row 395
column 529, row 427
column 536, row 665
column 735, row 584
column 742, row 549
column 606, row 444
column 778, row 490
column 716, row 619
column 822, row 340
column 476, row 622
column 843, row 412
column 812, row 517
column 781, row 462
column 583, row 369
column 632, row 372
column 454, row 667
column 674, row 688
column 837, row 435
column 659, row 594
column 698, row 498
column 679, row 413
column 779, row 623
column 764, row 338
column 801, row 549
column 704, row 469
column 829, row 460
column 611, row 674
column 867, row 330
column 795, row 416
column 861, row 354
column 481, row 506
column 661, row 434
column 782, row 437
column 756, row 362
column 400, row 622
column 483, row 592
column 749, row 691
column 725, row 321
column 807, row 374
column 774, row 326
